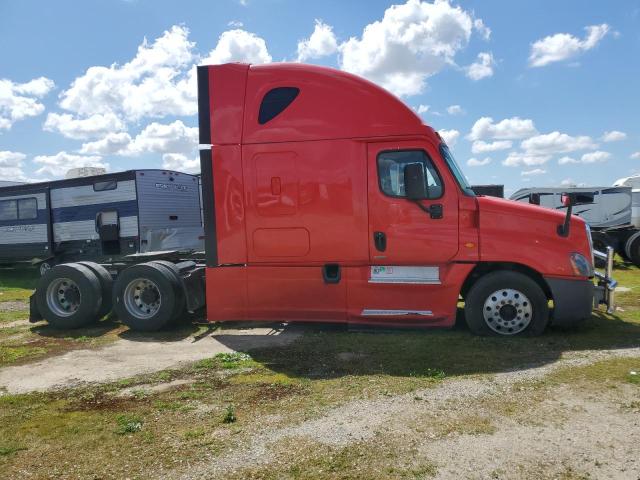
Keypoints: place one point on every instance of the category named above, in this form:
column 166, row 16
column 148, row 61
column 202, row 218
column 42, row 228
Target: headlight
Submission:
column 581, row 266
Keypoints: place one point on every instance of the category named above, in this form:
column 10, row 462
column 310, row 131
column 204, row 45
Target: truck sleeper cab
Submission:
column 326, row 199
column 307, row 215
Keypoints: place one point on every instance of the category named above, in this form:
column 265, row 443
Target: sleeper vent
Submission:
column 275, row 101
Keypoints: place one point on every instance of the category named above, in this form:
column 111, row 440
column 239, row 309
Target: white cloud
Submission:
column 473, row 162
column 519, row 159
column 556, row 142
column 180, row 162
column 238, row 46
column 11, row 164
column 595, row 157
column 20, row 100
column 535, row 171
column 412, row 42
column 482, row 29
column 321, row 43
column 450, row 137
column 613, row 136
column 482, row 67
column 112, row 143
column 455, row 110
column 235, row 24
column 567, row 160
column 508, row 129
column 422, row 109
column 57, row 165
column 567, row 182
column 154, row 83
column 480, row 146
column 175, row 137
column 635, row 156
column 563, row 46
column 96, row 125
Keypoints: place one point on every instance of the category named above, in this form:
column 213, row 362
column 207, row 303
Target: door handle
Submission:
column 436, row 211
column 380, row 240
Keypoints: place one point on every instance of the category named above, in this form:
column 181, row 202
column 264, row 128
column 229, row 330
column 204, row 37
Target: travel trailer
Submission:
column 100, row 218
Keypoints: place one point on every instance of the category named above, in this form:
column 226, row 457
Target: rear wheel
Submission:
column 69, row 296
column 632, row 248
column 106, row 286
column 44, row 267
column 179, row 308
column 506, row 303
column 144, row 297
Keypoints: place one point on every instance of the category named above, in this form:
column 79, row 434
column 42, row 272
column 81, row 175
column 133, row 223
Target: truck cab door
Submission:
column 404, row 232
column 411, row 243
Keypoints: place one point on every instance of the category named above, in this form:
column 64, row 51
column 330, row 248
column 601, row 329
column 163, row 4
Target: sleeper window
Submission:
column 275, row 101
column 8, row 210
column 391, row 172
column 27, row 208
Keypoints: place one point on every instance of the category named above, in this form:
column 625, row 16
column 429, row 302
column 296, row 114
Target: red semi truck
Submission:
column 327, row 199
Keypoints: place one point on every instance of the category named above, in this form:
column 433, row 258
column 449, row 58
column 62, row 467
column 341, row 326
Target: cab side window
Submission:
column 391, row 172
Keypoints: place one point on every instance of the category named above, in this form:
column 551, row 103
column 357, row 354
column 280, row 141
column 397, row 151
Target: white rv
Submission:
column 100, row 217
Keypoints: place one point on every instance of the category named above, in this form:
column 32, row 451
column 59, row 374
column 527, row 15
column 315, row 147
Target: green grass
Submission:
column 137, row 435
column 17, row 284
column 13, row 316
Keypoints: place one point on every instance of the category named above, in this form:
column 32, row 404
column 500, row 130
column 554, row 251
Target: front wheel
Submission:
column 506, row 303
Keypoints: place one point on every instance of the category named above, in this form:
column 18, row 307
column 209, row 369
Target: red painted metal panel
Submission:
column 226, row 293
column 229, row 204
column 227, row 89
column 331, row 104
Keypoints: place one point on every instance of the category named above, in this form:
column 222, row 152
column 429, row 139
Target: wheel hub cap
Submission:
column 507, row 311
column 63, row 297
column 142, row 298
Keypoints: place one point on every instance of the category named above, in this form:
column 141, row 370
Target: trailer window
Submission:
column 104, row 186
column 8, row 210
column 27, row 208
column 275, row 101
column 391, row 172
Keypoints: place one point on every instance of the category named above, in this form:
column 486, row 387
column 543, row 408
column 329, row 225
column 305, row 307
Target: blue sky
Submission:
column 79, row 87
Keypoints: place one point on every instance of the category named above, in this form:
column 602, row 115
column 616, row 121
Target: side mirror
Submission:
column 534, row 198
column 415, row 185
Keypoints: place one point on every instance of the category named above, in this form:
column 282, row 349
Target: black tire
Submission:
column 633, row 249
column 181, row 302
column 600, row 243
column 87, row 286
column 124, row 302
column 530, row 317
column 106, row 286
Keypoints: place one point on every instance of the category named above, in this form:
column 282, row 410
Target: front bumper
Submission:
column 573, row 300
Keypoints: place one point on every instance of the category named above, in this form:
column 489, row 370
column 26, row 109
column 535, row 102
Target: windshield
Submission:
column 455, row 169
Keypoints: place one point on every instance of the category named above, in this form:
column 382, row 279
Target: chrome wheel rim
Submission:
column 507, row 311
column 142, row 298
column 63, row 297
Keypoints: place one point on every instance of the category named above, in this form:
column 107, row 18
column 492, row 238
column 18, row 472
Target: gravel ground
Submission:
column 14, row 306
column 137, row 354
column 598, row 433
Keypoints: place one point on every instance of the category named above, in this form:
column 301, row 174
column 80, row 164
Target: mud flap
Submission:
column 34, row 313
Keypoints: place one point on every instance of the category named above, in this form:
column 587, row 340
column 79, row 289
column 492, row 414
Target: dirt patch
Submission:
column 14, row 306
column 137, row 354
column 365, row 421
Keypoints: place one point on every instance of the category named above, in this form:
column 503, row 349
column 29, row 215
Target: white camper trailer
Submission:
column 100, row 218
